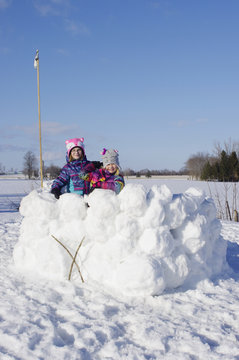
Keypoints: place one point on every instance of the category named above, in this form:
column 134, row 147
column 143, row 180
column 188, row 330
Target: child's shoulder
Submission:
column 118, row 173
column 66, row 166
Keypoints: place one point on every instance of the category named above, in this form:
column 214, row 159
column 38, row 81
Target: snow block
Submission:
column 137, row 242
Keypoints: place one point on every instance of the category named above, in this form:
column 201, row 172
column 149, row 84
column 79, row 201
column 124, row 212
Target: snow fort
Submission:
column 137, row 242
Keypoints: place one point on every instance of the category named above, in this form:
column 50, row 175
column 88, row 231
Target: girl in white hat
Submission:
column 109, row 177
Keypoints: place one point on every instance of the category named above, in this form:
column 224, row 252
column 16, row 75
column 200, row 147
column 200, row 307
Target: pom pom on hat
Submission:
column 103, row 151
column 110, row 156
column 71, row 143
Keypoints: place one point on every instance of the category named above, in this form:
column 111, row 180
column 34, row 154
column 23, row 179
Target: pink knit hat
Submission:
column 70, row 144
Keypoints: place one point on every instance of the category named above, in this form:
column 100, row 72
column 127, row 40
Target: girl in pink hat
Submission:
column 77, row 164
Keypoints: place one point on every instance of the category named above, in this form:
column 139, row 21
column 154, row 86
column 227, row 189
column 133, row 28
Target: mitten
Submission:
column 96, row 185
column 97, row 164
column 56, row 192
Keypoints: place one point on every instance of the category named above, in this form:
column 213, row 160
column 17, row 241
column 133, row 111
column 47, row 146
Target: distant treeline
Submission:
column 53, row 171
column 149, row 173
column 223, row 166
column 226, row 168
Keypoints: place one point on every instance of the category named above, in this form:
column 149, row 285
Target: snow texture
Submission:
column 48, row 319
column 137, row 243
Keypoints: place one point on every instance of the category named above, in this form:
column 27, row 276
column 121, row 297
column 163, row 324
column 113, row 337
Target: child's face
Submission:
column 76, row 153
column 111, row 168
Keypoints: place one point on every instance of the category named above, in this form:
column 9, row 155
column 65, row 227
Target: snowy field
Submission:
column 43, row 318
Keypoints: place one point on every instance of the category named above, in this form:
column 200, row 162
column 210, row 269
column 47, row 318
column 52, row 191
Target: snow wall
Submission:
column 137, row 242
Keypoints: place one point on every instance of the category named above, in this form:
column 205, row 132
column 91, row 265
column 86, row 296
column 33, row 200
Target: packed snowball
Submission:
column 137, row 243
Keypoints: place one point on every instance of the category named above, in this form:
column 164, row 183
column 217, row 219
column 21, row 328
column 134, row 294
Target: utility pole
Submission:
column 36, row 66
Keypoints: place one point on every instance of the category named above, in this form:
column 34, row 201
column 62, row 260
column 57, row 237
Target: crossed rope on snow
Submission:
column 73, row 257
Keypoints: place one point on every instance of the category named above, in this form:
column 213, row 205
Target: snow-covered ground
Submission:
column 58, row 319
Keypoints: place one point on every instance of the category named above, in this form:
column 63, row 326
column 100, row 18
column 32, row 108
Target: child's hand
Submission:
column 96, row 185
column 97, row 164
column 56, row 192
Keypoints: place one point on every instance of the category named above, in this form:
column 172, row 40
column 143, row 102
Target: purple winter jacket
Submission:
column 69, row 176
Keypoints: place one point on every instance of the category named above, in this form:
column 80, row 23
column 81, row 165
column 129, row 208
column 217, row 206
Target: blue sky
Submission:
column 157, row 80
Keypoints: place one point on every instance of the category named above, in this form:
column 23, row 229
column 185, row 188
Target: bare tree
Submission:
column 30, row 165
column 52, row 171
column 229, row 146
column 128, row 172
column 196, row 163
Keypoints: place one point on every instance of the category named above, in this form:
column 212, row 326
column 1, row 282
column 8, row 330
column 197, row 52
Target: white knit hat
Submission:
column 110, row 156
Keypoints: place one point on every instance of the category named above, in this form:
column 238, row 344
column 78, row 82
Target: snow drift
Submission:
column 137, row 242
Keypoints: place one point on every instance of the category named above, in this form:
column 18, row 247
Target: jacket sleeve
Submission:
column 62, row 179
column 85, row 173
column 116, row 184
column 92, row 177
column 89, row 167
